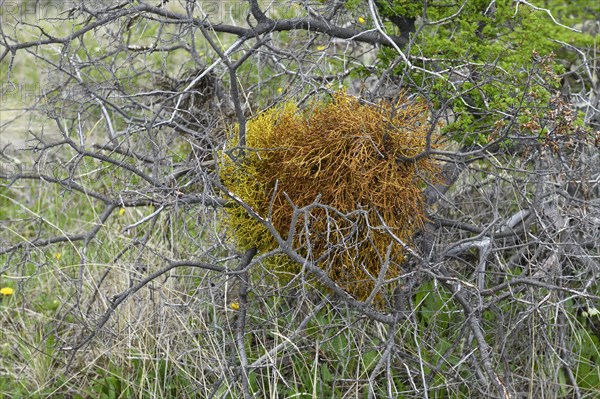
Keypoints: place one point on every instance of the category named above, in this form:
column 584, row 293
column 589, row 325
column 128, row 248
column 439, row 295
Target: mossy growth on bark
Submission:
column 354, row 173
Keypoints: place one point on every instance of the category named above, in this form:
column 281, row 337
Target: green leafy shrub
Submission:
column 487, row 61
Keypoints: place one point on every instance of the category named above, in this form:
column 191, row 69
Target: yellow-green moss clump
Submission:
column 347, row 155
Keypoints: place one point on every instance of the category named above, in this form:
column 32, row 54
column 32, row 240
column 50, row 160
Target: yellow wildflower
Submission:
column 280, row 90
column 361, row 20
column 234, row 305
column 58, row 255
column 321, row 48
column 6, row 291
column 121, row 211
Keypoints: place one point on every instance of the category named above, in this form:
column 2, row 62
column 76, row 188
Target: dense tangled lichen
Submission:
column 347, row 162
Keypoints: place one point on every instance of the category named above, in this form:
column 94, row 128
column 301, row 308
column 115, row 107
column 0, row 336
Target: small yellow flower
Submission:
column 361, row 20
column 6, row 291
column 234, row 305
column 121, row 211
column 58, row 255
column 321, row 48
column 280, row 90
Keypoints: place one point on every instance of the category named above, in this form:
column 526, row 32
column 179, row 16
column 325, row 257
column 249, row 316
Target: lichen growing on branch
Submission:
column 351, row 169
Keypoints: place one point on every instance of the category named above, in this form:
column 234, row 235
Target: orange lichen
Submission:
column 355, row 164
